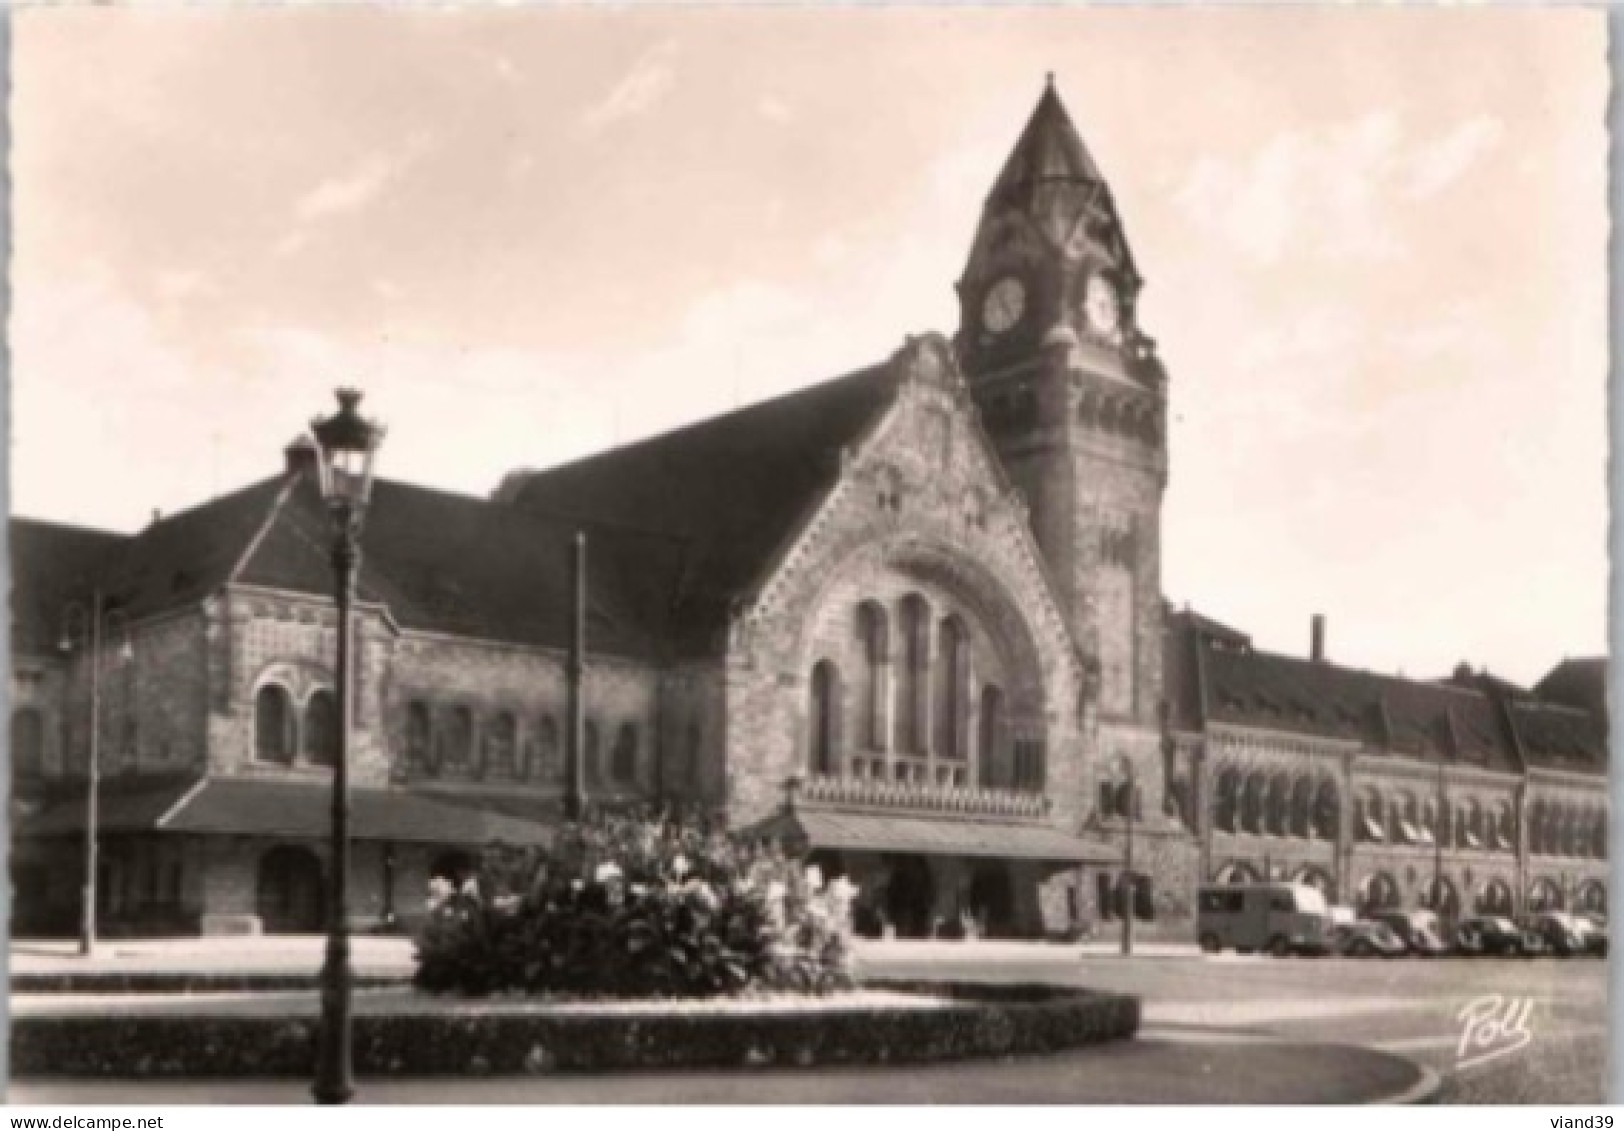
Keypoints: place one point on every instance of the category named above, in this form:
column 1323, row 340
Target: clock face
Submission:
column 1005, row 303
column 1100, row 306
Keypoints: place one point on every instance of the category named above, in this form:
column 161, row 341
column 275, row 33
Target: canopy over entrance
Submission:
column 806, row 829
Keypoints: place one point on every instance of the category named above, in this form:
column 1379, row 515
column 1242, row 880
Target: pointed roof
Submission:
column 1050, row 149
column 1051, row 178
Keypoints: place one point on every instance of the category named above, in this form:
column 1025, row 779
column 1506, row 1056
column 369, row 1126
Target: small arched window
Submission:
column 545, row 761
column 913, row 688
column 457, row 741
column 990, row 727
column 589, row 753
column 623, row 758
column 419, row 736
column 1226, row 800
column 874, row 632
column 951, row 697
column 321, row 728
column 823, row 732
column 273, row 725
column 501, row 746
column 27, row 742
column 1327, row 812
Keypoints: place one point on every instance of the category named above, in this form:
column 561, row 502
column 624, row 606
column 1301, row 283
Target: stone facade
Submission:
column 960, row 630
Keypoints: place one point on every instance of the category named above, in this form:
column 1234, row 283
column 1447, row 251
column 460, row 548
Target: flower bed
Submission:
column 639, row 908
column 905, row 1023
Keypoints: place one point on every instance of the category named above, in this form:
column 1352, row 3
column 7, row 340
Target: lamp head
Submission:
column 346, row 444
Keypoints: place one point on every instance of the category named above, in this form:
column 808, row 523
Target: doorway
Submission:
column 289, row 892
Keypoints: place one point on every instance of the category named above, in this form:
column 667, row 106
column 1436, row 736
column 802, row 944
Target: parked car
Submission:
column 1533, row 940
column 1366, row 938
column 1597, row 924
column 1279, row 918
column 1566, row 935
column 1488, row 934
column 1417, row 930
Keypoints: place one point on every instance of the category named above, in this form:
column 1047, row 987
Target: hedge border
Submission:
column 983, row 1021
column 181, row 982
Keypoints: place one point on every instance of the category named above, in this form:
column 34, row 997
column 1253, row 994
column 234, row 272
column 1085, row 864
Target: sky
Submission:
column 1373, row 244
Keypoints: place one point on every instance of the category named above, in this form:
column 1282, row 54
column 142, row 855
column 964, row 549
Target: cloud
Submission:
column 1332, row 193
column 363, row 184
column 1322, row 191
column 638, row 92
column 1440, row 165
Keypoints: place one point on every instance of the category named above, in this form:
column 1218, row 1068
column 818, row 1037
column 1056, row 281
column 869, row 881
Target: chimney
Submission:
column 1316, row 640
column 300, row 455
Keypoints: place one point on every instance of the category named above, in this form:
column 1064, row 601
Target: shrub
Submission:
column 629, row 906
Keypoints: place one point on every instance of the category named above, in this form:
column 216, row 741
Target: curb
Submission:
column 1423, row 1091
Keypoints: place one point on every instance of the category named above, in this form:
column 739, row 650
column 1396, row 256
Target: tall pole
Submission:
column 1129, row 884
column 1438, row 849
column 87, row 936
column 335, row 1082
column 575, row 800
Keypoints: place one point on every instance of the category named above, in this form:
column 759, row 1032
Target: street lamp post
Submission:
column 575, row 799
column 346, row 446
column 1129, row 884
column 86, row 625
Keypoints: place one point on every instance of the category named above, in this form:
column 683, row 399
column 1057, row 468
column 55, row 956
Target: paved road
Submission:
column 1217, row 1013
column 1408, row 1006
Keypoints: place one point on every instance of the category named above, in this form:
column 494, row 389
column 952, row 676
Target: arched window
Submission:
column 1503, row 832
column 1226, row 800
column 501, row 746
column 913, row 688
column 1378, row 891
column 623, row 758
column 1238, row 872
column 1372, row 817
column 1277, row 809
column 874, row 632
column 546, row 759
column 27, row 742
column 991, row 726
column 1469, row 828
column 592, row 771
column 321, row 728
column 1495, row 898
column 1592, row 897
column 1538, row 828
column 1252, row 802
column 419, row 736
column 825, row 696
column 1544, row 895
column 1327, row 812
column 274, row 725
column 1407, row 818
column 457, row 741
column 951, row 700
column 1302, row 805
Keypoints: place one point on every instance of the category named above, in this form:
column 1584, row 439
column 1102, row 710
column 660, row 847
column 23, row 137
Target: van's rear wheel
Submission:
column 1210, row 944
column 1279, row 946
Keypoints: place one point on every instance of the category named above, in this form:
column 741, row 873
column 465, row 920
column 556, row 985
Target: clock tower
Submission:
column 1073, row 395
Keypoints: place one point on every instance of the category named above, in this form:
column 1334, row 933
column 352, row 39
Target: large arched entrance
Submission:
column 289, row 891
column 910, row 893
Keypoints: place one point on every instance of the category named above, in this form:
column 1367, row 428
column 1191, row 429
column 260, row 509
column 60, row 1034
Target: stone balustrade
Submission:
column 925, row 797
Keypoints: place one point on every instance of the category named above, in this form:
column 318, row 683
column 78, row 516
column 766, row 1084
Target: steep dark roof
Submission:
column 1579, row 682
column 1049, row 149
column 438, row 561
column 1422, row 720
column 1471, row 718
column 728, row 491
column 1559, row 737
column 51, row 565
